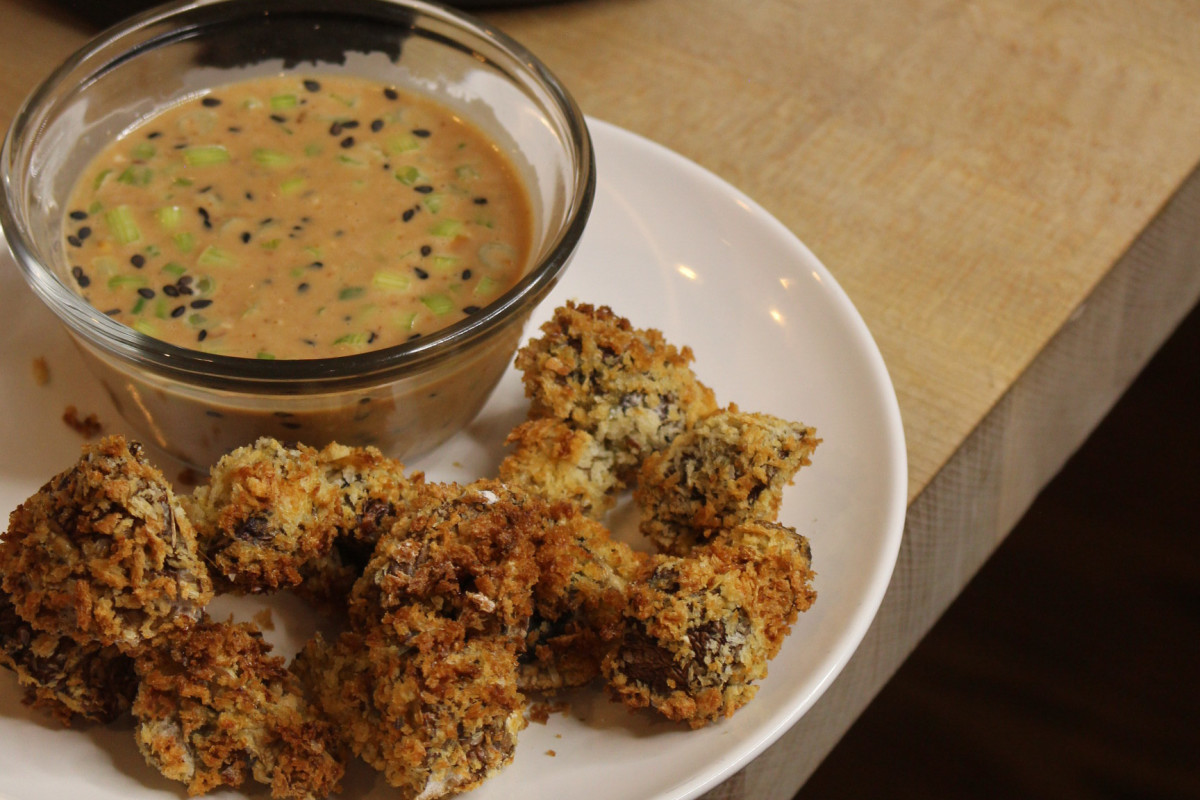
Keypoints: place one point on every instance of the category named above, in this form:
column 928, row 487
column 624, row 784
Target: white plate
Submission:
column 669, row 246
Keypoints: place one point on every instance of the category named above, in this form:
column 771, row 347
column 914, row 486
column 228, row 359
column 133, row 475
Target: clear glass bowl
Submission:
column 404, row 399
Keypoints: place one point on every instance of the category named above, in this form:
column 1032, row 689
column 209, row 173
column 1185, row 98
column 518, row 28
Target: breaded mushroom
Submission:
column 436, row 717
column 559, row 463
column 67, row 680
column 700, row 629
column 104, row 553
column 265, row 513
column 214, row 708
column 731, row 468
column 627, row 387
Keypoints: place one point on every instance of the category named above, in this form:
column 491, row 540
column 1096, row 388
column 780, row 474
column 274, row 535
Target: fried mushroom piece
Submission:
column 730, row 468
column 561, row 464
column 466, row 552
column 104, row 553
column 700, row 629
column 627, row 387
column 436, row 714
column 264, row 514
column 214, row 709
column 579, row 602
column 372, row 491
column 60, row 676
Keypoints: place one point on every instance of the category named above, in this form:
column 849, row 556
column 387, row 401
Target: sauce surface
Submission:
column 296, row 218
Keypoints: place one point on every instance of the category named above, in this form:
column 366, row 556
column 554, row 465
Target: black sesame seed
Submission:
column 422, row 274
column 184, row 280
column 234, row 129
column 202, row 335
column 205, row 189
column 74, row 241
column 146, row 292
column 81, row 277
column 316, row 265
column 414, row 336
column 245, row 237
column 390, row 93
column 346, row 143
column 422, row 133
column 249, row 195
column 278, row 118
column 423, row 188
column 426, row 249
column 78, row 215
column 178, row 311
column 170, row 291
column 137, row 260
column 371, row 339
column 335, row 129
column 466, row 274
column 377, row 125
column 350, row 123
column 470, row 309
column 310, row 342
column 153, row 134
column 211, row 102
column 83, row 233
column 312, row 85
column 184, row 289
column 112, row 312
column 480, row 201
column 408, row 214
column 302, row 288
column 201, row 303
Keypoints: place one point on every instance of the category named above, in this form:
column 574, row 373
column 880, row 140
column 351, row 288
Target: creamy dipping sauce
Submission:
column 297, row 218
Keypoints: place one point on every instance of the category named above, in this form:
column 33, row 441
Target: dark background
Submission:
column 1070, row 665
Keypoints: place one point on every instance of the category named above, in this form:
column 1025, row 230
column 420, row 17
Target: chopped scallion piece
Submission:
column 143, row 151
column 447, row 228
column 282, row 102
column 184, row 241
column 391, row 281
column 439, row 304
column 121, row 223
column 174, row 268
column 136, row 175
column 292, row 185
column 408, row 175
column 118, row 281
column 215, row 257
column 205, row 155
column 351, row 292
column 351, row 339
column 271, row 158
column 169, row 216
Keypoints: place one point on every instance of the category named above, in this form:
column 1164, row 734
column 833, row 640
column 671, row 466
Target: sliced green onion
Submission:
column 184, row 241
column 447, row 228
column 215, row 257
column 99, row 180
column 145, row 327
column 402, row 144
column 121, row 223
column 439, row 304
column 270, row 244
column 350, row 162
column 143, row 151
column 351, row 292
column 174, row 268
column 466, row 172
column 264, row 355
column 136, row 175
column 282, row 102
column 351, row 339
column 432, row 202
column 390, row 281
column 405, row 320
column 408, row 175
column 292, row 185
column 139, row 305
column 313, row 149
column 444, row 263
column 486, row 286
column 119, row 281
column 497, row 255
column 271, row 158
column 205, row 155
column 169, row 216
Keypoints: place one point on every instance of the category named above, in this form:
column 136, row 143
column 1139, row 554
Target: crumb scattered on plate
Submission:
column 88, row 427
column 41, row 371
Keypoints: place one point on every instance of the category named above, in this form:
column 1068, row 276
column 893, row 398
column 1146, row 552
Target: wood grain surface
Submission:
column 1005, row 190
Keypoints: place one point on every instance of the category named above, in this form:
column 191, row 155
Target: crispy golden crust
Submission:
column 730, row 468
column 627, row 387
column 437, row 717
column 700, row 629
column 561, row 464
column 463, row 552
column 372, row 491
column 580, row 601
column 214, row 708
column 263, row 514
column 104, row 553
column 62, row 677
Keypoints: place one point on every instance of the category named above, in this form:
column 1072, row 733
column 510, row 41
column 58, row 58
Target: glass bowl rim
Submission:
column 253, row 375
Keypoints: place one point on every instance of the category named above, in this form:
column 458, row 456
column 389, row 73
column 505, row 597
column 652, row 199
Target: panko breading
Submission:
column 104, row 553
column 732, row 467
column 579, row 601
column 214, row 709
column 436, row 717
column 62, row 677
column 627, row 387
column 700, row 629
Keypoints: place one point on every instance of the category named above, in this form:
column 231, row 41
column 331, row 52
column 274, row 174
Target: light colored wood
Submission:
column 997, row 186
